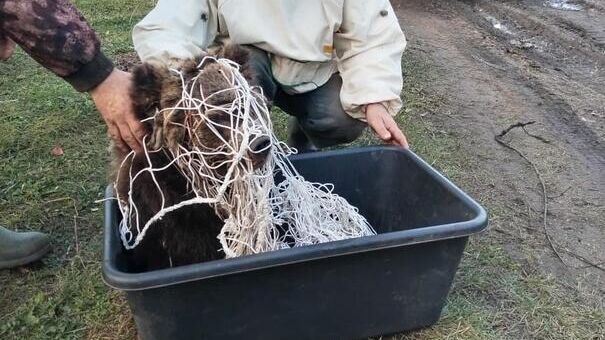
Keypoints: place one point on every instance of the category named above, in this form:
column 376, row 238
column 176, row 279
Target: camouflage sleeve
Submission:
column 58, row 37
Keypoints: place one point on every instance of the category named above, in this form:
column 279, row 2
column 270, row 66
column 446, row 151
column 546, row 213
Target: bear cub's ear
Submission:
column 146, row 89
column 241, row 56
column 235, row 53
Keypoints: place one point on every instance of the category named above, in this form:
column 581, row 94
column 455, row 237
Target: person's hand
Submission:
column 112, row 98
column 7, row 46
column 384, row 125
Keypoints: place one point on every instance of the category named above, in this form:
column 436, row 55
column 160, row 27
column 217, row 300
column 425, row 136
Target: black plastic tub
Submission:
column 395, row 281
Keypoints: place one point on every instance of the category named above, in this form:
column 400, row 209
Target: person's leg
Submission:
column 17, row 249
column 297, row 138
column 260, row 67
column 320, row 120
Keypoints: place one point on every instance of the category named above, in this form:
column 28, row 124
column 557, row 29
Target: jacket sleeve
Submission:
column 369, row 45
column 173, row 30
column 58, row 37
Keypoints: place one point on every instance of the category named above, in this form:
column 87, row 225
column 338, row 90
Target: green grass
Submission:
column 64, row 297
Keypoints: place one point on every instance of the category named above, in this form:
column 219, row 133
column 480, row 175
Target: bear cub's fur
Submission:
column 189, row 234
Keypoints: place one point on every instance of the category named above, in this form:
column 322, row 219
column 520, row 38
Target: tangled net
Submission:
column 259, row 214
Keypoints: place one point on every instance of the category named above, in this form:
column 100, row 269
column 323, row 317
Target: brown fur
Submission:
column 187, row 235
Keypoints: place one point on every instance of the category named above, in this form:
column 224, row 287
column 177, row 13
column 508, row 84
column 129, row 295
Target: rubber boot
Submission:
column 17, row 249
column 297, row 137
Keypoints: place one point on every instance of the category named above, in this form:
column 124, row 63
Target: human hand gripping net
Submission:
column 259, row 214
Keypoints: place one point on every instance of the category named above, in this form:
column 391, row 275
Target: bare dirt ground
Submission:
column 507, row 62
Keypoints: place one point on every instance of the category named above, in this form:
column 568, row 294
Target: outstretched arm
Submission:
column 369, row 46
column 58, row 37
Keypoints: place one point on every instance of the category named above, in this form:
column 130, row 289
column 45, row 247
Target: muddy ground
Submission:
column 507, row 62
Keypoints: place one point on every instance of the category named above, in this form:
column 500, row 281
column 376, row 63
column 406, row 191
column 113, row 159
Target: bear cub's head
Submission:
column 158, row 90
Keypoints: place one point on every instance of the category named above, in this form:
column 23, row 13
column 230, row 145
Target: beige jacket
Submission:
column 308, row 41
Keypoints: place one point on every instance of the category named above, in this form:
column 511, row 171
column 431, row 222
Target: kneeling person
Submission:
column 334, row 66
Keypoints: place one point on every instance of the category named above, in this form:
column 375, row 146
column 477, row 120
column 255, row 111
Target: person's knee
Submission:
column 353, row 131
column 332, row 130
column 349, row 132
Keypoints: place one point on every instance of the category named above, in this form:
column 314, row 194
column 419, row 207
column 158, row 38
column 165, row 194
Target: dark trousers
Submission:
column 318, row 119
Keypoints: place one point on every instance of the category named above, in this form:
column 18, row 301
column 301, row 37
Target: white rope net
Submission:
column 260, row 215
